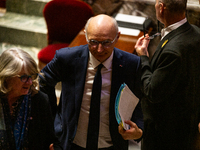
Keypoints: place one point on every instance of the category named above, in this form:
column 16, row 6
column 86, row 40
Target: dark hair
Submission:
column 175, row 6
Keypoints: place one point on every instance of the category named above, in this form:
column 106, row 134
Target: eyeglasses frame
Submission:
column 111, row 42
column 27, row 77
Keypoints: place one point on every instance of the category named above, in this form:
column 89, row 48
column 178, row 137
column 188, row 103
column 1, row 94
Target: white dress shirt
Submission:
column 104, row 133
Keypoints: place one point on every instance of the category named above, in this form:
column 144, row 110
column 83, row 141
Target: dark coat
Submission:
column 171, row 84
column 69, row 66
column 40, row 133
column 41, row 128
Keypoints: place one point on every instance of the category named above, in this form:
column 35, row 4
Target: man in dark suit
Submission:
column 171, row 81
column 76, row 67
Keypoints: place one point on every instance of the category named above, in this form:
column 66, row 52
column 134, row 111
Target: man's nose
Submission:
column 100, row 48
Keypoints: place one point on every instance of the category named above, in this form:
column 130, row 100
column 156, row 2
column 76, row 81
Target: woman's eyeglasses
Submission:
column 25, row 78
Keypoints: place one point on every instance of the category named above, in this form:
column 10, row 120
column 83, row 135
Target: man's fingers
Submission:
column 51, row 147
column 132, row 124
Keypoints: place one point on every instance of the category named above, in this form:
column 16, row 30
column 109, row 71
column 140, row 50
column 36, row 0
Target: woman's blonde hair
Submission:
column 12, row 61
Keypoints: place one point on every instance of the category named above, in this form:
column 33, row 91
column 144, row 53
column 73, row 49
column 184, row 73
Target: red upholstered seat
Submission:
column 64, row 20
column 2, row 3
column 47, row 53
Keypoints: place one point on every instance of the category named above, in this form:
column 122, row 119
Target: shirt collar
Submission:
column 107, row 63
column 172, row 27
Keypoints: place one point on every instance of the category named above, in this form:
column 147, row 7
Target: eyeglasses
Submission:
column 105, row 44
column 25, row 78
column 153, row 36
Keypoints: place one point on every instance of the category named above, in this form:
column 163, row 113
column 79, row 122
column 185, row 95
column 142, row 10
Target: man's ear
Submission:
column 119, row 33
column 162, row 7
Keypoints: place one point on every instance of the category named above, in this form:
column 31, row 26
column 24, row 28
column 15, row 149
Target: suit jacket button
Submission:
column 70, row 140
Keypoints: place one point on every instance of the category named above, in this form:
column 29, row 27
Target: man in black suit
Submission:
column 76, row 67
column 171, row 81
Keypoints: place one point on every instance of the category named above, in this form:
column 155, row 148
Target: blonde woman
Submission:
column 25, row 116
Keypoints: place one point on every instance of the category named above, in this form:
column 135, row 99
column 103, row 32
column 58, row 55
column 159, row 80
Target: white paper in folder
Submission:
column 125, row 104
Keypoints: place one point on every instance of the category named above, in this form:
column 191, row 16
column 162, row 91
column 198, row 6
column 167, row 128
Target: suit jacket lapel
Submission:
column 166, row 40
column 117, row 76
column 158, row 51
column 81, row 63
